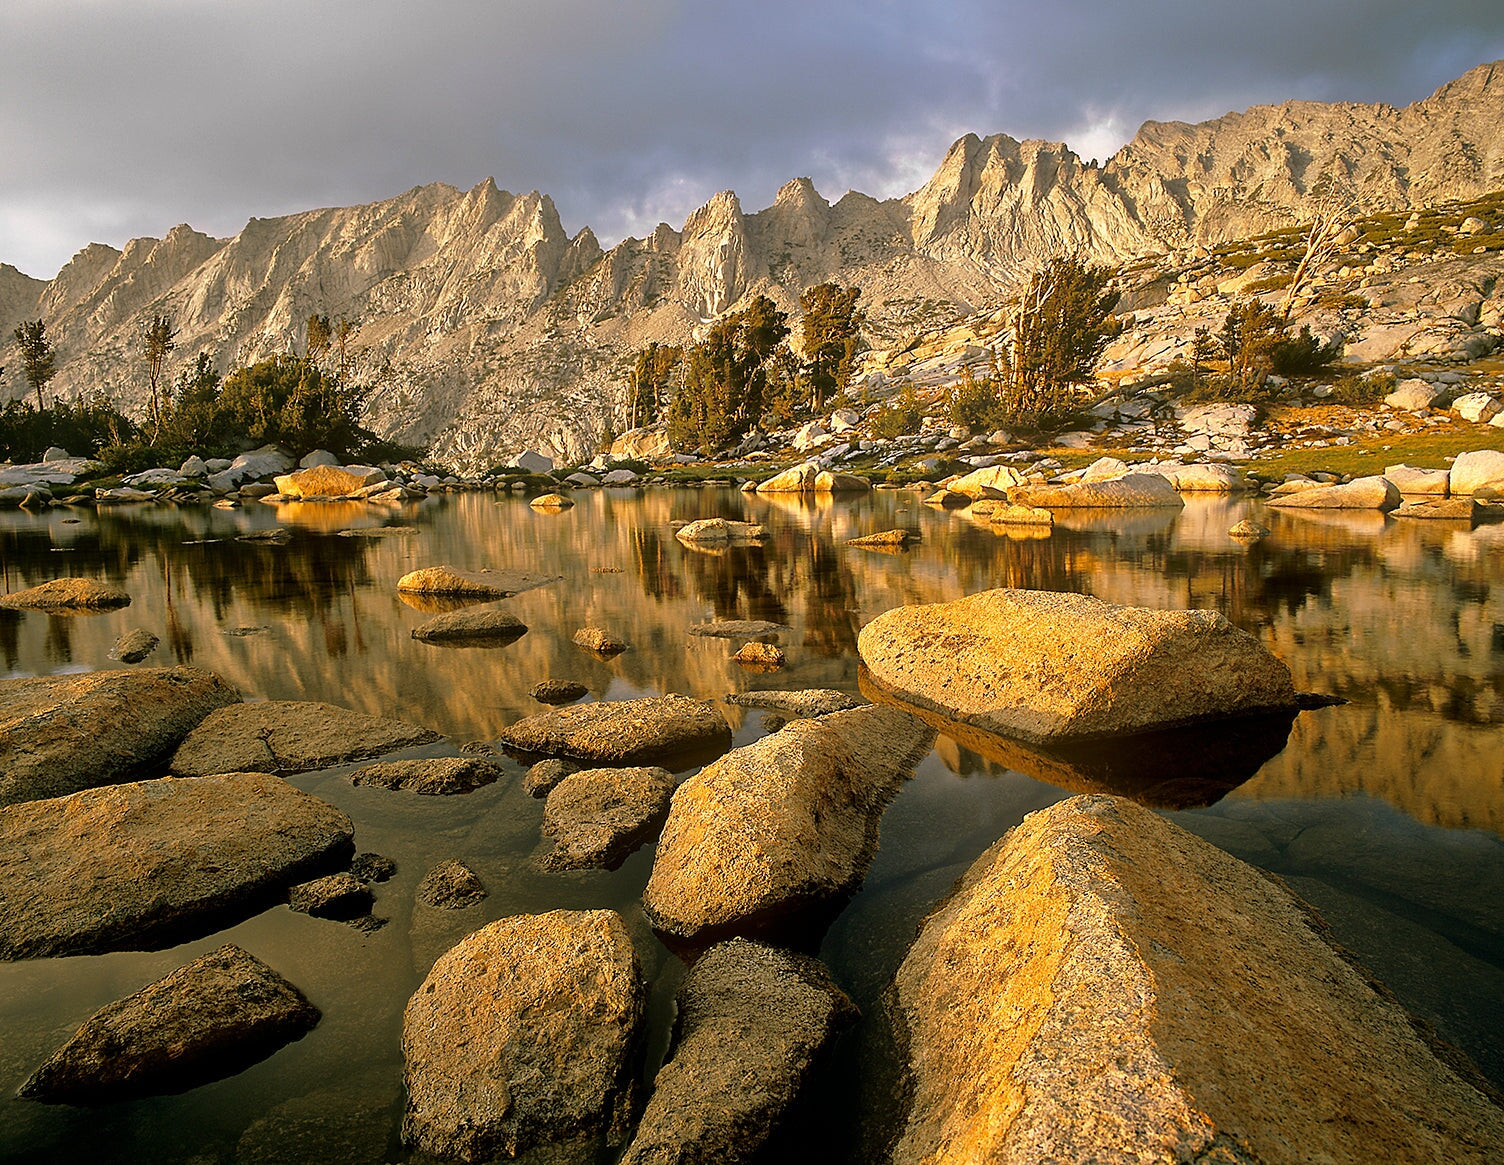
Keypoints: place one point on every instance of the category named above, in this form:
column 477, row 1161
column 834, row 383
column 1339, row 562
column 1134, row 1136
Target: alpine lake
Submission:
column 1385, row 812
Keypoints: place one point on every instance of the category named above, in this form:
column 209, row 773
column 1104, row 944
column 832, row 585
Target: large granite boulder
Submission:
column 1413, row 395
column 1482, row 469
column 751, row 1023
column 470, row 584
column 1135, row 490
column 474, row 627
column 1202, row 477
column 1045, row 666
column 992, row 482
column 210, row 1019
column 524, row 1035
column 289, row 736
column 597, row 817
column 623, row 732
column 60, row 734
column 152, row 863
column 1104, row 986
column 1363, row 493
column 776, row 831
column 828, row 481
column 328, row 481
column 1409, row 479
column 719, row 531
column 66, row 594
column 795, row 479
column 738, row 628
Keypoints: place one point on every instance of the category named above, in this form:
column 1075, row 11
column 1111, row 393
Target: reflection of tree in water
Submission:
column 10, row 638
column 59, row 642
column 830, row 607
column 735, row 581
column 655, row 565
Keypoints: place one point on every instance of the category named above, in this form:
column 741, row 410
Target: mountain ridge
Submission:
column 486, row 328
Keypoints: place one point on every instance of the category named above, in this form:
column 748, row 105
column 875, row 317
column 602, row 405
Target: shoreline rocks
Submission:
column 471, row 584
column 209, row 1019
column 528, row 1033
column 1132, row 491
column 1364, row 493
column 144, row 865
column 623, row 732
column 1046, row 666
column 1104, row 985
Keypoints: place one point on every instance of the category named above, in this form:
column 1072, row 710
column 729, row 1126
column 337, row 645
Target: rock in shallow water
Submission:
column 599, row 816
column 60, row 734
column 143, row 865
column 490, row 626
column 1105, row 986
column 600, row 641
column 85, row 593
column 451, row 886
column 289, row 736
column 471, row 584
column 1045, row 666
column 623, row 732
column 526, row 1034
column 751, row 1023
column 804, row 702
column 134, row 646
column 339, row 896
column 207, row 1020
column 430, row 776
column 779, row 829
column 1131, row 492
column 558, row 691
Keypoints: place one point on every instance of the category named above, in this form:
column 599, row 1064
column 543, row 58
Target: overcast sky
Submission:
column 121, row 118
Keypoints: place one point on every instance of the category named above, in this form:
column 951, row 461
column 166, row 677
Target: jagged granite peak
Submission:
column 484, row 328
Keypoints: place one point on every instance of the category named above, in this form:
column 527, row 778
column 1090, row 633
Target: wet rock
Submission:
column 339, row 896
column 148, row 864
column 1364, row 493
column 1147, row 490
column 289, row 736
column 370, row 867
column 947, row 499
column 1013, row 514
column 134, row 646
column 543, row 777
column 551, row 502
column 1464, row 509
column 59, row 734
column 751, row 1023
column 720, row 530
column 600, row 641
column 773, row 721
column 1482, row 469
column 471, row 584
column 760, row 656
column 737, row 628
column 781, row 828
column 597, row 817
column 1105, row 986
column 1248, row 531
column 526, row 1034
column 1410, row 480
column 1044, row 666
column 805, row 702
column 450, row 886
column 623, row 732
column 885, row 538
column 328, row 481
column 430, row 776
column 348, row 1121
column 207, row 1020
column 471, row 628
column 81, row 593
column 558, row 691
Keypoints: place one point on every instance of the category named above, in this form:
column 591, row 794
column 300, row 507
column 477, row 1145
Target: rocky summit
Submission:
column 1044, row 666
column 495, row 330
column 1104, row 986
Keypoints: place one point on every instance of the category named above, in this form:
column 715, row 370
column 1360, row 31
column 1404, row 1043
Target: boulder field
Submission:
column 1045, row 667
column 1104, row 986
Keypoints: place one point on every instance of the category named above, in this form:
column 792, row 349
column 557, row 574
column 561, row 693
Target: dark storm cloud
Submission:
column 119, row 119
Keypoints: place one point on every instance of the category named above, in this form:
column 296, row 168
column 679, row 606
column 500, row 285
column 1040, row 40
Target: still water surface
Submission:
column 1385, row 812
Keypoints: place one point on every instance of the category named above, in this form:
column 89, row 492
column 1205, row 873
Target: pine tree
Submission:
column 38, row 356
column 832, row 332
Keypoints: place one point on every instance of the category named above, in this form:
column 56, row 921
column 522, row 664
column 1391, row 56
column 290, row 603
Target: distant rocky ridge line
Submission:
column 486, row 328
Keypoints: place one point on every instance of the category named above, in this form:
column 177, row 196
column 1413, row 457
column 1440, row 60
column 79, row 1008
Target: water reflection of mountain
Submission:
column 1404, row 619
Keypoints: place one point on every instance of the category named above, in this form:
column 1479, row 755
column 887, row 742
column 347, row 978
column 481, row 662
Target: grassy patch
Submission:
column 1372, row 452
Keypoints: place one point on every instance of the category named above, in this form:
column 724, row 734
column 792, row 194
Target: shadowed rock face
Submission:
column 1105, row 986
column 751, row 1023
column 60, row 734
column 525, row 1034
column 144, row 865
column 1048, row 667
column 623, row 732
column 779, row 829
column 289, row 736
column 207, row 1020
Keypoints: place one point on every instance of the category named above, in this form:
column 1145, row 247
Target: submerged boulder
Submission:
column 60, row 734
column 751, row 1023
column 738, row 628
column 341, row 896
column 777, row 830
column 1148, row 490
column 1104, row 986
column 885, row 538
column 432, row 776
column 289, row 736
column 148, row 864
column 526, row 1034
column 623, row 732
column 1044, row 666
column 597, row 817
column 803, row 702
column 210, row 1019
column 65, row 593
